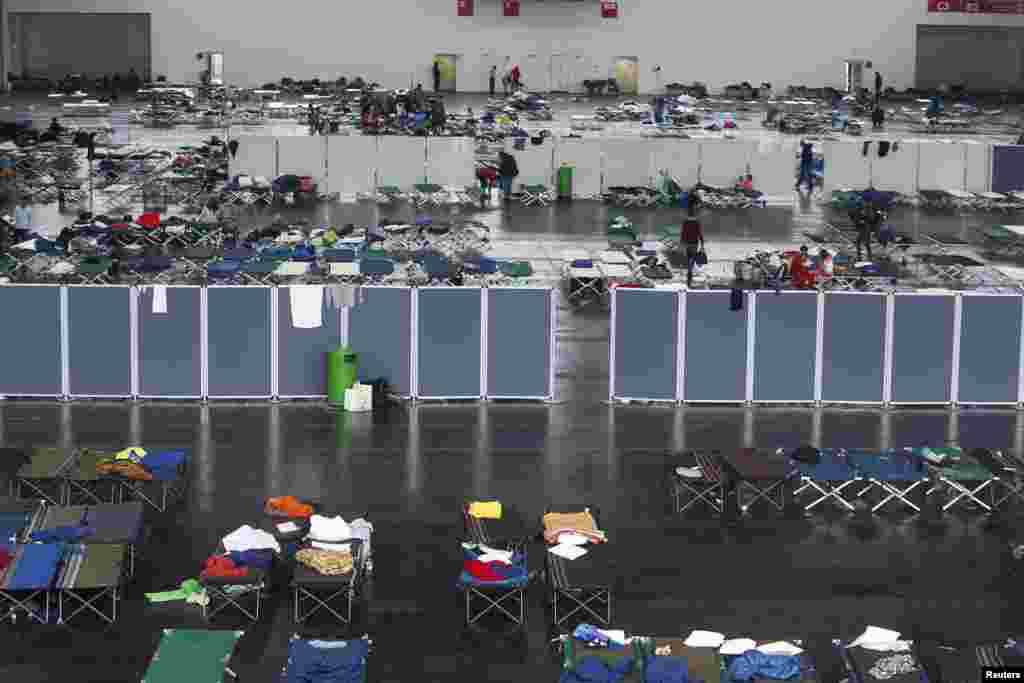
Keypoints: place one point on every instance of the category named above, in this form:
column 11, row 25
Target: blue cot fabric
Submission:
column 831, row 467
column 666, row 670
column 36, row 568
column 310, row 664
column 596, row 670
column 467, row 579
column 12, row 524
column 164, row 465
column 753, row 664
column 63, row 533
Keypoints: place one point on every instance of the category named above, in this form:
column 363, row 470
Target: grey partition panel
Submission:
column 99, row 341
column 990, row 349
column 301, row 353
column 449, row 343
column 716, row 349
column 518, row 342
column 853, row 348
column 922, row 351
column 380, row 331
column 238, row 334
column 170, row 344
column 785, row 342
column 646, row 349
column 30, row 358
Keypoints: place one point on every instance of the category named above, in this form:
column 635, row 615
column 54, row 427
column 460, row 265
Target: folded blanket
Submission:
column 486, row 510
column 582, row 523
column 257, row 559
column 327, row 562
column 287, row 506
column 124, row 468
column 222, row 567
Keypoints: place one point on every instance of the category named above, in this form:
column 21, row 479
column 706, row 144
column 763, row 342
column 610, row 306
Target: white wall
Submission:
column 392, row 41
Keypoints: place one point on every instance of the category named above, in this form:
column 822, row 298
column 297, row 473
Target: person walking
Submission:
column 806, row 165
column 691, row 237
column 507, row 172
column 437, row 75
column 490, row 83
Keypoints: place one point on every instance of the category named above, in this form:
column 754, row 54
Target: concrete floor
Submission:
column 409, row 469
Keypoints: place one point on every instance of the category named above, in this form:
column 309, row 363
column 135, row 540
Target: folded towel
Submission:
column 307, row 303
column 485, row 510
column 159, row 299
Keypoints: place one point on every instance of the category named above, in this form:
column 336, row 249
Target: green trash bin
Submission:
column 342, row 370
column 565, row 181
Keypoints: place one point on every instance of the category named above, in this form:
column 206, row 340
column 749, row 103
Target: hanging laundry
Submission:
column 736, row 300
column 883, row 148
column 159, row 299
column 867, row 146
column 307, row 302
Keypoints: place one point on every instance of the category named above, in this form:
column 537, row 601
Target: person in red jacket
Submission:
column 691, row 238
column 799, row 270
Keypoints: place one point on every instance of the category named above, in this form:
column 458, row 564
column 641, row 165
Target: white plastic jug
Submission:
column 359, row 398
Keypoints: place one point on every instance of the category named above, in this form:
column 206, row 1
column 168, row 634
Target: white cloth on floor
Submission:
column 876, row 635
column 307, row 306
column 737, row 646
column 705, row 639
column 159, row 299
column 892, row 646
column 780, row 647
column 246, row 538
column 329, row 528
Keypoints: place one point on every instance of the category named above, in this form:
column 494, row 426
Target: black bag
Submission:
column 701, row 259
column 806, row 454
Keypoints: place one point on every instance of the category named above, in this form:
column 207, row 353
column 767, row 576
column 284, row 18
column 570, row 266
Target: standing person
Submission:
column 806, row 165
column 864, row 219
column 517, row 83
column 691, row 237
column 877, row 117
column 878, row 87
column 438, row 116
column 437, row 75
column 507, row 172
column 490, row 82
column 23, row 217
column 504, row 84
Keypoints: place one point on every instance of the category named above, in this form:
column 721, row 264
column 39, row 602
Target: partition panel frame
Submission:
column 275, row 312
column 279, row 291
column 204, row 343
column 751, row 345
column 59, row 324
column 65, row 345
column 819, row 349
column 202, row 346
column 887, row 349
column 613, row 354
column 612, row 342
column 482, row 346
column 133, row 326
column 414, row 344
column 550, row 332
column 1020, row 361
column 484, row 310
column 272, row 320
column 954, row 374
column 958, row 357
column 752, row 349
column 748, row 376
column 132, row 336
column 890, row 333
column 885, row 325
column 681, row 346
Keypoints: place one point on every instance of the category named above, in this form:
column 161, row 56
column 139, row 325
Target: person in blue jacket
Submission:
column 806, row 165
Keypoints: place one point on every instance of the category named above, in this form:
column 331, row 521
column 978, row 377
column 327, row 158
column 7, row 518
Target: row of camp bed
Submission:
column 312, row 592
column 422, row 195
column 658, row 660
column 874, row 480
column 49, row 572
column 960, row 200
column 577, row 590
column 589, row 281
column 639, row 197
column 205, row 655
column 62, row 477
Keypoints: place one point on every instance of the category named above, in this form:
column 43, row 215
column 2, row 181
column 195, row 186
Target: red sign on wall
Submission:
column 977, row 6
column 511, row 8
column 465, row 8
column 610, row 9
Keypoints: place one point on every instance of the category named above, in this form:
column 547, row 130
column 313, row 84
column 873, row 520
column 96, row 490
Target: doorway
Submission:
column 448, row 66
column 627, row 75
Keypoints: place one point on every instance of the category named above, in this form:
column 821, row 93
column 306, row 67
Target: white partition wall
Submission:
column 585, row 158
column 897, row 170
column 979, row 166
column 723, row 161
column 351, row 163
column 681, row 158
column 626, row 162
column 401, row 160
column 535, row 162
column 303, row 156
column 256, row 156
column 846, row 166
column 451, row 162
column 941, row 166
column 774, row 167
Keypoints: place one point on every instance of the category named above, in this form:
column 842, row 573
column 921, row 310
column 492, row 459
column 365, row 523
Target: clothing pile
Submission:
column 191, row 591
column 484, row 565
column 327, row 562
column 138, row 464
column 287, row 506
column 578, row 523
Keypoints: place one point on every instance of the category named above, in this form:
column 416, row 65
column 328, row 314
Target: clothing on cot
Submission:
column 327, row 662
column 159, row 299
column 307, row 306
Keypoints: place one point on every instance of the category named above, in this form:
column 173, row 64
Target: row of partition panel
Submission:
column 241, row 343
column 809, row 347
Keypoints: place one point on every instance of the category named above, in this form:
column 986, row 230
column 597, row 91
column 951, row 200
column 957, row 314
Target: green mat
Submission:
column 191, row 655
column 999, row 233
column 46, row 463
column 958, row 466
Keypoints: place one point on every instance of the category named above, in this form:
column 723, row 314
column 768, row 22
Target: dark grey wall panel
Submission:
column 990, row 349
column 646, row 329
column 55, row 44
column 170, row 355
column 449, row 342
column 302, row 364
column 786, row 331
column 30, row 342
column 518, row 342
column 380, row 331
column 853, row 348
column 99, row 341
column 922, row 353
column 239, row 341
column 716, row 349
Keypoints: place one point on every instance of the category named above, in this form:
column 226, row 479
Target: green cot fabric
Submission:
column 957, row 466
column 517, row 269
column 7, row 265
column 45, row 464
column 94, row 265
column 71, row 515
column 998, row 232
column 389, row 189
column 101, row 566
column 427, row 188
column 84, row 468
column 191, row 655
column 188, row 587
column 669, row 232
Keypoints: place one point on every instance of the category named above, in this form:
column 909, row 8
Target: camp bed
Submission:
column 697, row 479
column 91, row 575
column 192, row 655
